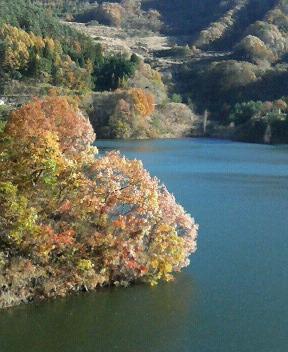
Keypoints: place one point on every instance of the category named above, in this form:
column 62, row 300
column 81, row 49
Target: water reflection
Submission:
column 144, row 146
column 139, row 318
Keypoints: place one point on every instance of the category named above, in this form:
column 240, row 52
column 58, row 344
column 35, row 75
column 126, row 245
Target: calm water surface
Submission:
column 233, row 297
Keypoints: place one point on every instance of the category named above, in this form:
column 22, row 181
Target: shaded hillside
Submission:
column 253, row 11
column 255, row 64
column 185, row 16
column 190, row 17
column 243, row 59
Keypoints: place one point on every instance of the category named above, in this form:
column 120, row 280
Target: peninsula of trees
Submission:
column 72, row 221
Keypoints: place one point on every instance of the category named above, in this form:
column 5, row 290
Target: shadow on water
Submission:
column 139, row 318
column 132, row 146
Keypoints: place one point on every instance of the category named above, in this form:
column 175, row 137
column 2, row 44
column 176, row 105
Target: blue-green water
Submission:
column 233, row 297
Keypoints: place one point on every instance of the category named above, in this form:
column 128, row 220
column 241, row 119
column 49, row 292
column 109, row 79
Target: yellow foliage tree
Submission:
column 17, row 43
column 144, row 103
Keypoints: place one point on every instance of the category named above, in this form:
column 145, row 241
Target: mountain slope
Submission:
column 215, row 55
column 243, row 58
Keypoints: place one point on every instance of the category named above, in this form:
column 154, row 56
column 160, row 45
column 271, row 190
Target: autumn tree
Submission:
column 16, row 45
column 56, row 115
column 71, row 221
column 144, row 103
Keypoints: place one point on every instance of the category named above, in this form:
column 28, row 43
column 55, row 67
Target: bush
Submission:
column 176, row 98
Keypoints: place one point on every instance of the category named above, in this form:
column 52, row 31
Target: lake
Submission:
column 234, row 295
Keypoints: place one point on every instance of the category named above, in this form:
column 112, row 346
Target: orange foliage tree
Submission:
column 55, row 115
column 72, row 221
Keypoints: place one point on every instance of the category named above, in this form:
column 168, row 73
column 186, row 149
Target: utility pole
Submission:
column 268, row 135
column 205, row 121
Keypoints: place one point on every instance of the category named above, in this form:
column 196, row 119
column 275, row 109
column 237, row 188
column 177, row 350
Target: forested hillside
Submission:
column 243, row 63
column 41, row 55
column 221, row 57
column 229, row 54
column 36, row 45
